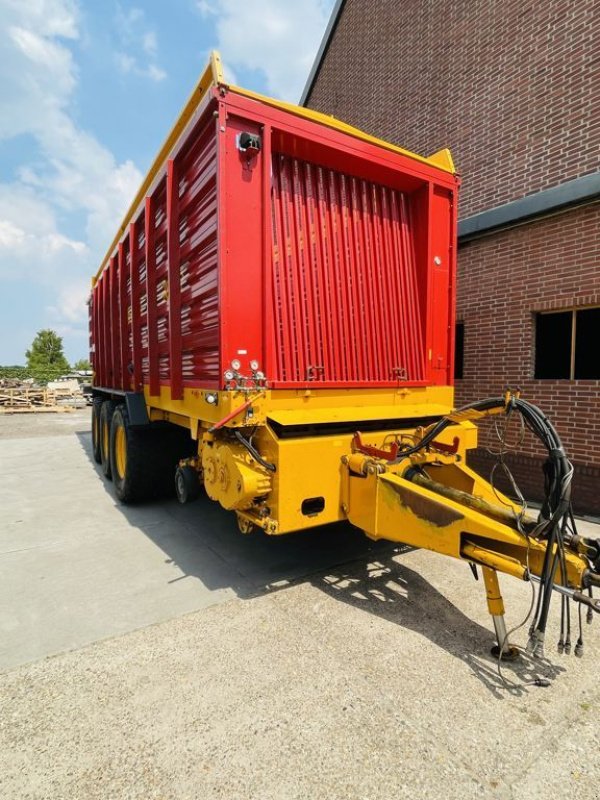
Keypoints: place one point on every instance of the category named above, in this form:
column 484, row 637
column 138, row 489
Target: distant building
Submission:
column 513, row 89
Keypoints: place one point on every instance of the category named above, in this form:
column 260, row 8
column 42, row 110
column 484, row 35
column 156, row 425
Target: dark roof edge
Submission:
column 329, row 31
column 574, row 192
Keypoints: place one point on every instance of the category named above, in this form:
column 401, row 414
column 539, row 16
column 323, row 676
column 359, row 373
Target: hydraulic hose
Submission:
column 254, row 452
column 555, row 511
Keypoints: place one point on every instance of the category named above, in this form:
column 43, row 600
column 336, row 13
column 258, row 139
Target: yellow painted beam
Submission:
column 441, row 160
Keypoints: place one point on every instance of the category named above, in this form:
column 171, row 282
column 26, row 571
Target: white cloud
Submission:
column 149, row 43
column 72, row 305
column 206, row 9
column 69, row 173
column 138, row 45
column 277, row 37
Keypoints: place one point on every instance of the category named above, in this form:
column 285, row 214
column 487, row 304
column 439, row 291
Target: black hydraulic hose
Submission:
column 547, row 593
column 557, row 503
column 254, row 452
column 480, row 405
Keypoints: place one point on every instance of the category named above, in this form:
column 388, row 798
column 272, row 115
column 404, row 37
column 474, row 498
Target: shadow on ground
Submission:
column 387, row 588
column 337, row 559
column 250, row 565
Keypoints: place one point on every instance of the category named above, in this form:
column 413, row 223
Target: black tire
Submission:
column 96, row 406
column 106, row 414
column 187, row 484
column 151, row 455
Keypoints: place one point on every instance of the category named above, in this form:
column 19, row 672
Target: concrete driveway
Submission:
column 77, row 566
column 155, row 652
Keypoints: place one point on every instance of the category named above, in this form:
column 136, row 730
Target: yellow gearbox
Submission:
column 232, row 476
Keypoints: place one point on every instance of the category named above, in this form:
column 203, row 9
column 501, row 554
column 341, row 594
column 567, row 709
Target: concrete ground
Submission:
column 155, row 652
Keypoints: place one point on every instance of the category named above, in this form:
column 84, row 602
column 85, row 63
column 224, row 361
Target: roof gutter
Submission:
column 576, row 192
column 323, row 47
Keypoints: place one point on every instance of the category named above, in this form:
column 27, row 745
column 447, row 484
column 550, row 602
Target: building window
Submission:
column 459, row 350
column 566, row 344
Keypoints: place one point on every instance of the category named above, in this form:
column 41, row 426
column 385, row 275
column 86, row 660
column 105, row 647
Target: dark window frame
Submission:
column 459, row 350
column 572, row 357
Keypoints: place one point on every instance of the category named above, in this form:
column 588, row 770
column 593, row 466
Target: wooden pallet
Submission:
column 27, row 400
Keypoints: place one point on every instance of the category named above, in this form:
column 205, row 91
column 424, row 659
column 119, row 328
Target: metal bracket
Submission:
column 137, row 409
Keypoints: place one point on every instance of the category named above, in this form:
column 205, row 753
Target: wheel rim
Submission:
column 120, row 451
column 180, row 486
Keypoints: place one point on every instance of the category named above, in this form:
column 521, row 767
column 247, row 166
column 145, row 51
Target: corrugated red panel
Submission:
column 135, row 345
column 198, row 258
column 346, row 305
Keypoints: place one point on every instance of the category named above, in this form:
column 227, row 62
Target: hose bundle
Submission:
column 555, row 522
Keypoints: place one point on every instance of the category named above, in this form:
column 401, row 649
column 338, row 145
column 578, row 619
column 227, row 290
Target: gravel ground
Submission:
column 368, row 680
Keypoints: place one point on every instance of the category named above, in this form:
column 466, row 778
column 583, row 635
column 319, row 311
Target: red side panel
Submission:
column 155, row 309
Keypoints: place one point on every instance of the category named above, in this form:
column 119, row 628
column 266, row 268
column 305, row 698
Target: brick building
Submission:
column 513, row 89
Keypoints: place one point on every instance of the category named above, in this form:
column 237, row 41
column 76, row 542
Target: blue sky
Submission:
column 88, row 91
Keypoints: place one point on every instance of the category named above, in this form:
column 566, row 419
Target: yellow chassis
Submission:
column 450, row 509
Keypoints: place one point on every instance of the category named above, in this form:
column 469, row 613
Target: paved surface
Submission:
column 271, row 670
column 76, row 566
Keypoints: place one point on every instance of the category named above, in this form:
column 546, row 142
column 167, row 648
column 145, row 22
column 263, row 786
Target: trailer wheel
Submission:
column 96, row 406
column 106, row 414
column 143, row 460
column 133, row 458
column 187, row 484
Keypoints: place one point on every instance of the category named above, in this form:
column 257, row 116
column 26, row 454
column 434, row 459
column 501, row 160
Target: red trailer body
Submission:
column 327, row 258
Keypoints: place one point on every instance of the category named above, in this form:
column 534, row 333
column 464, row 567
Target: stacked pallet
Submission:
column 27, row 399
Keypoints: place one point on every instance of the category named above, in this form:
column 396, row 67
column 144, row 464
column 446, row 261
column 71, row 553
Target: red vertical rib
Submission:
column 174, row 280
column 314, row 353
column 151, row 299
column 114, row 324
column 269, row 320
column 384, row 373
column 105, row 339
column 324, row 231
column 297, row 237
column 123, row 338
column 346, row 322
column 355, row 250
column 294, row 286
column 318, row 279
column 407, row 348
column 356, row 321
column 136, row 323
column 280, row 264
column 95, row 343
column 368, row 279
column 391, row 309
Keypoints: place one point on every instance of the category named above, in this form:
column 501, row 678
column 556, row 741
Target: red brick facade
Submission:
column 513, row 89
column 503, row 280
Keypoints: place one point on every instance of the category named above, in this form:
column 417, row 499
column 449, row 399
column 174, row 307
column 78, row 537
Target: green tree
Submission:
column 46, row 360
column 82, row 364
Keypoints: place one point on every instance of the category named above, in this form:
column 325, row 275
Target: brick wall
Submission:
column 512, row 87
column 503, row 280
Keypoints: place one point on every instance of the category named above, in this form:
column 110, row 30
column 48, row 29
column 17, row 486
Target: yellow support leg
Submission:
column 496, row 609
